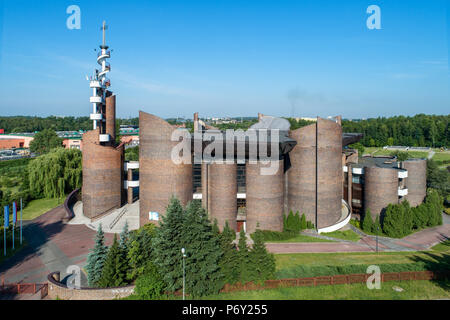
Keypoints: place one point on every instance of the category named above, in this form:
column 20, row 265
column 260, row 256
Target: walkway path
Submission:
column 51, row 246
column 421, row 240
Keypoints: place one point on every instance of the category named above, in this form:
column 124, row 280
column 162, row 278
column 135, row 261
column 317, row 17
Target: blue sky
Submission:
column 228, row 58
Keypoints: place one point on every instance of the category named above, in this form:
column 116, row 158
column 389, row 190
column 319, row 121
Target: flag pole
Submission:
column 5, row 225
column 20, row 221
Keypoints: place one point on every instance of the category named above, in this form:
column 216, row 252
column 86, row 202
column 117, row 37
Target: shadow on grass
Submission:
column 437, row 262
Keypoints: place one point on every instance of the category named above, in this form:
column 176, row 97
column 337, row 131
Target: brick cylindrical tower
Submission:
column 301, row 175
column 380, row 189
column 110, row 112
column 159, row 177
column 329, row 171
column 219, row 189
column 102, row 175
column 318, row 152
column 265, row 196
column 416, row 181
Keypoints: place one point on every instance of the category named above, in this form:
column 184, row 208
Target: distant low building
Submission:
column 11, row 143
column 73, row 143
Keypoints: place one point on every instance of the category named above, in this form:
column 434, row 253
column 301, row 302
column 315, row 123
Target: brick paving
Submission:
column 52, row 246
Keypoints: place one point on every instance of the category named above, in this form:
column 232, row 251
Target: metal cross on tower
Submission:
column 103, row 28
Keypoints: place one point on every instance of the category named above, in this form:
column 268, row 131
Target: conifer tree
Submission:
column 96, row 258
column 139, row 253
column 115, row 267
column 124, row 237
column 203, row 274
column 298, row 223
column 263, row 262
column 407, row 219
column 167, row 244
column 367, row 222
column 392, row 221
column 244, row 265
column 303, row 223
column 229, row 263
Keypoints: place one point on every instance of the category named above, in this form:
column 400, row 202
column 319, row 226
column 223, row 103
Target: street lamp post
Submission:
column 183, row 252
column 378, row 230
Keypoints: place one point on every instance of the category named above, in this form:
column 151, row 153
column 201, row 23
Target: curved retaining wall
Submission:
column 264, row 200
column 102, row 176
column 57, row 290
column 380, row 189
column 159, row 177
column 416, row 181
column 302, row 174
column 71, row 199
column 221, row 202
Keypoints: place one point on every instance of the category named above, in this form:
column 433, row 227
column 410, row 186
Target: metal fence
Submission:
column 335, row 280
column 24, row 288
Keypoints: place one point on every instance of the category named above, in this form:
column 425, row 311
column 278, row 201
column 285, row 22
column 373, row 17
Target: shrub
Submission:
column 150, row 286
column 367, row 223
column 268, row 235
column 303, row 223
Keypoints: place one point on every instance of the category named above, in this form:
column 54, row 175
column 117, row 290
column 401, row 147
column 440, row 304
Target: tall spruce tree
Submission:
column 203, row 274
column 244, row 265
column 96, row 258
column 262, row 261
column 167, row 244
column 229, row 263
column 139, row 253
column 124, row 238
column 115, row 267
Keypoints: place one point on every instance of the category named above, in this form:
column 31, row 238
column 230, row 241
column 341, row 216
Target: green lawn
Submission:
column 344, row 235
column 442, row 247
column 442, row 157
column 37, row 207
column 300, row 238
column 412, row 154
column 377, row 151
column 289, row 260
column 412, row 290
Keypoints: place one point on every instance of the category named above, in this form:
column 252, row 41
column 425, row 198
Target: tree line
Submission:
column 151, row 257
column 18, row 124
column 400, row 220
column 418, row 131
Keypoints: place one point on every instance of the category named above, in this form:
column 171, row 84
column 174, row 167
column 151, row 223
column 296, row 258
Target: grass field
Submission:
column 442, row 247
column 442, row 157
column 344, row 235
column 377, row 151
column 288, row 260
column 411, row 290
column 300, row 238
column 37, row 207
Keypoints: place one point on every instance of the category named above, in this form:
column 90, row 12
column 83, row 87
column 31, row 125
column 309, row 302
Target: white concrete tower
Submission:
column 99, row 84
